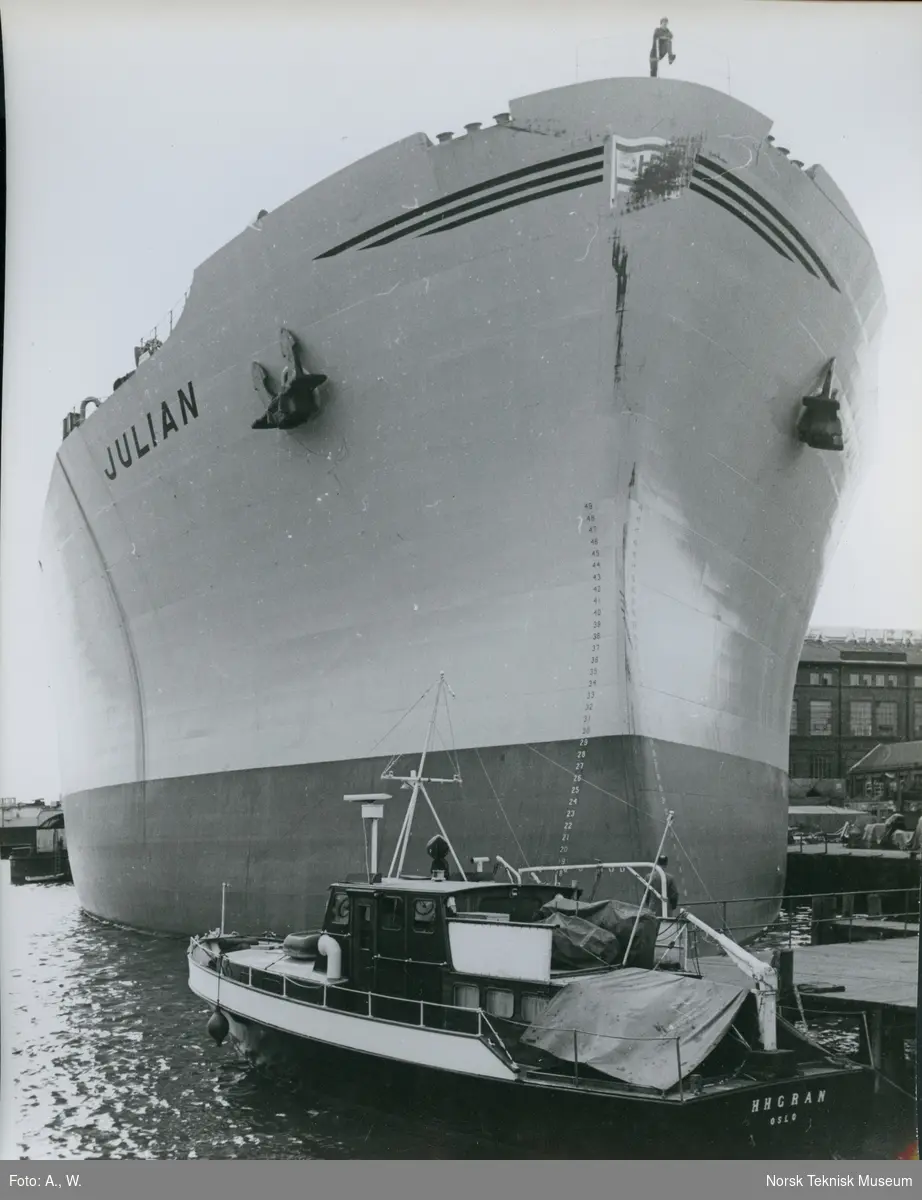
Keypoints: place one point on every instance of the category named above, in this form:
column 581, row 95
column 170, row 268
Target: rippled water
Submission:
column 110, row 1058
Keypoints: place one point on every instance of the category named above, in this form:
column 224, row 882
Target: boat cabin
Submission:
column 464, row 944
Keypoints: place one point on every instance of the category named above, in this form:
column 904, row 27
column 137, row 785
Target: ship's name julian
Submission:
column 159, row 424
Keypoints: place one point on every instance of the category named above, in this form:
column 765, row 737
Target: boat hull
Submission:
column 820, row 1116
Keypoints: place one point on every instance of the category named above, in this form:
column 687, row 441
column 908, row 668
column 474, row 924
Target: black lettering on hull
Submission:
column 187, row 404
column 139, row 450
column 169, row 425
column 188, row 411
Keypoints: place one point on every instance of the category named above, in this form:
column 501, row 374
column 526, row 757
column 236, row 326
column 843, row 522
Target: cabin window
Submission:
column 500, row 1002
column 364, row 915
column 533, row 1006
column 424, row 916
column 391, row 912
column 467, row 995
column 340, row 913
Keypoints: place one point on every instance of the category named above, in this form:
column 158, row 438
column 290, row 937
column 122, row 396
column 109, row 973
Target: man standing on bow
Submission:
column 662, row 45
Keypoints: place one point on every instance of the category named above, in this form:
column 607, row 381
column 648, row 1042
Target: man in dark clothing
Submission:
column 652, row 898
column 662, row 45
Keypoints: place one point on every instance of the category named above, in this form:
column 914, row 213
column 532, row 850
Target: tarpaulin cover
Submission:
column 590, row 934
column 615, row 1012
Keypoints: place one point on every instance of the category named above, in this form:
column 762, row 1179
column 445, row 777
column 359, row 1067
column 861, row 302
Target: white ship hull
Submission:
column 556, row 460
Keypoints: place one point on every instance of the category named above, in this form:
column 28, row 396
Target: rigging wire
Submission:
column 403, row 718
column 451, row 735
column 627, row 804
column 502, row 810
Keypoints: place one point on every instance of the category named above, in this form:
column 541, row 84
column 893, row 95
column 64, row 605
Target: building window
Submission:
column 814, row 678
column 886, row 717
column 828, row 679
column 821, row 718
column 532, row 1006
column 867, row 680
column 917, row 720
column 467, row 995
column 879, row 681
column 893, row 681
column 860, row 718
column 820, row 766
column 500, row 1003
column 793, row 716
column 917, row 681
column 853, row 680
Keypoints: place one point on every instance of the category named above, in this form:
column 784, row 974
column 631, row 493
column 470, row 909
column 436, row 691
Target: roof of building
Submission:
column 890, row 756
column 896, row 646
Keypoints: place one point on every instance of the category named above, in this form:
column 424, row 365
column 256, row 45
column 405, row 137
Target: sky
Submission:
column 142, row 137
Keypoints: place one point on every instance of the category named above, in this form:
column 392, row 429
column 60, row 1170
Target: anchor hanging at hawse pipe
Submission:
column 819, row 424
column 294, row 403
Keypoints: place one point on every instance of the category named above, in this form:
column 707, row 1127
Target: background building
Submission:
column 854, row 690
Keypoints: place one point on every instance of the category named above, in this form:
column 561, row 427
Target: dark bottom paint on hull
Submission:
column 154, row 855
column 545, row 1123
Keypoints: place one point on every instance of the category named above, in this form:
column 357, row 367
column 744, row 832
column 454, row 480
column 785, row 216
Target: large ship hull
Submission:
column 556, row 459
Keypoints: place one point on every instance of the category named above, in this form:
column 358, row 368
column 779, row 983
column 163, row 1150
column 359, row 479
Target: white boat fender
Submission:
column 301, row 945
column 330, row 948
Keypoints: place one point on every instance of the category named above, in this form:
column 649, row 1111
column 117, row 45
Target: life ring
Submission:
column 302, row 945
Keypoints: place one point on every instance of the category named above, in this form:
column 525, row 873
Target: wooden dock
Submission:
column 881, row 974
column 875, row 981
column 837, row 850
column 815, row 868
column 863, row 929
column 874, row 974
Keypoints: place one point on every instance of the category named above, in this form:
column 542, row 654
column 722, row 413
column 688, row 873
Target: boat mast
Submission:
column 416, row 781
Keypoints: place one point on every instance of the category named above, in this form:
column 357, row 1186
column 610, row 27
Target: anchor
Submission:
column 819, row 425
column 294, row 402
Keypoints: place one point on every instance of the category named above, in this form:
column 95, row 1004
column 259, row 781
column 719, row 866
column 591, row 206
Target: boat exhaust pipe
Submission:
column 330, row 949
